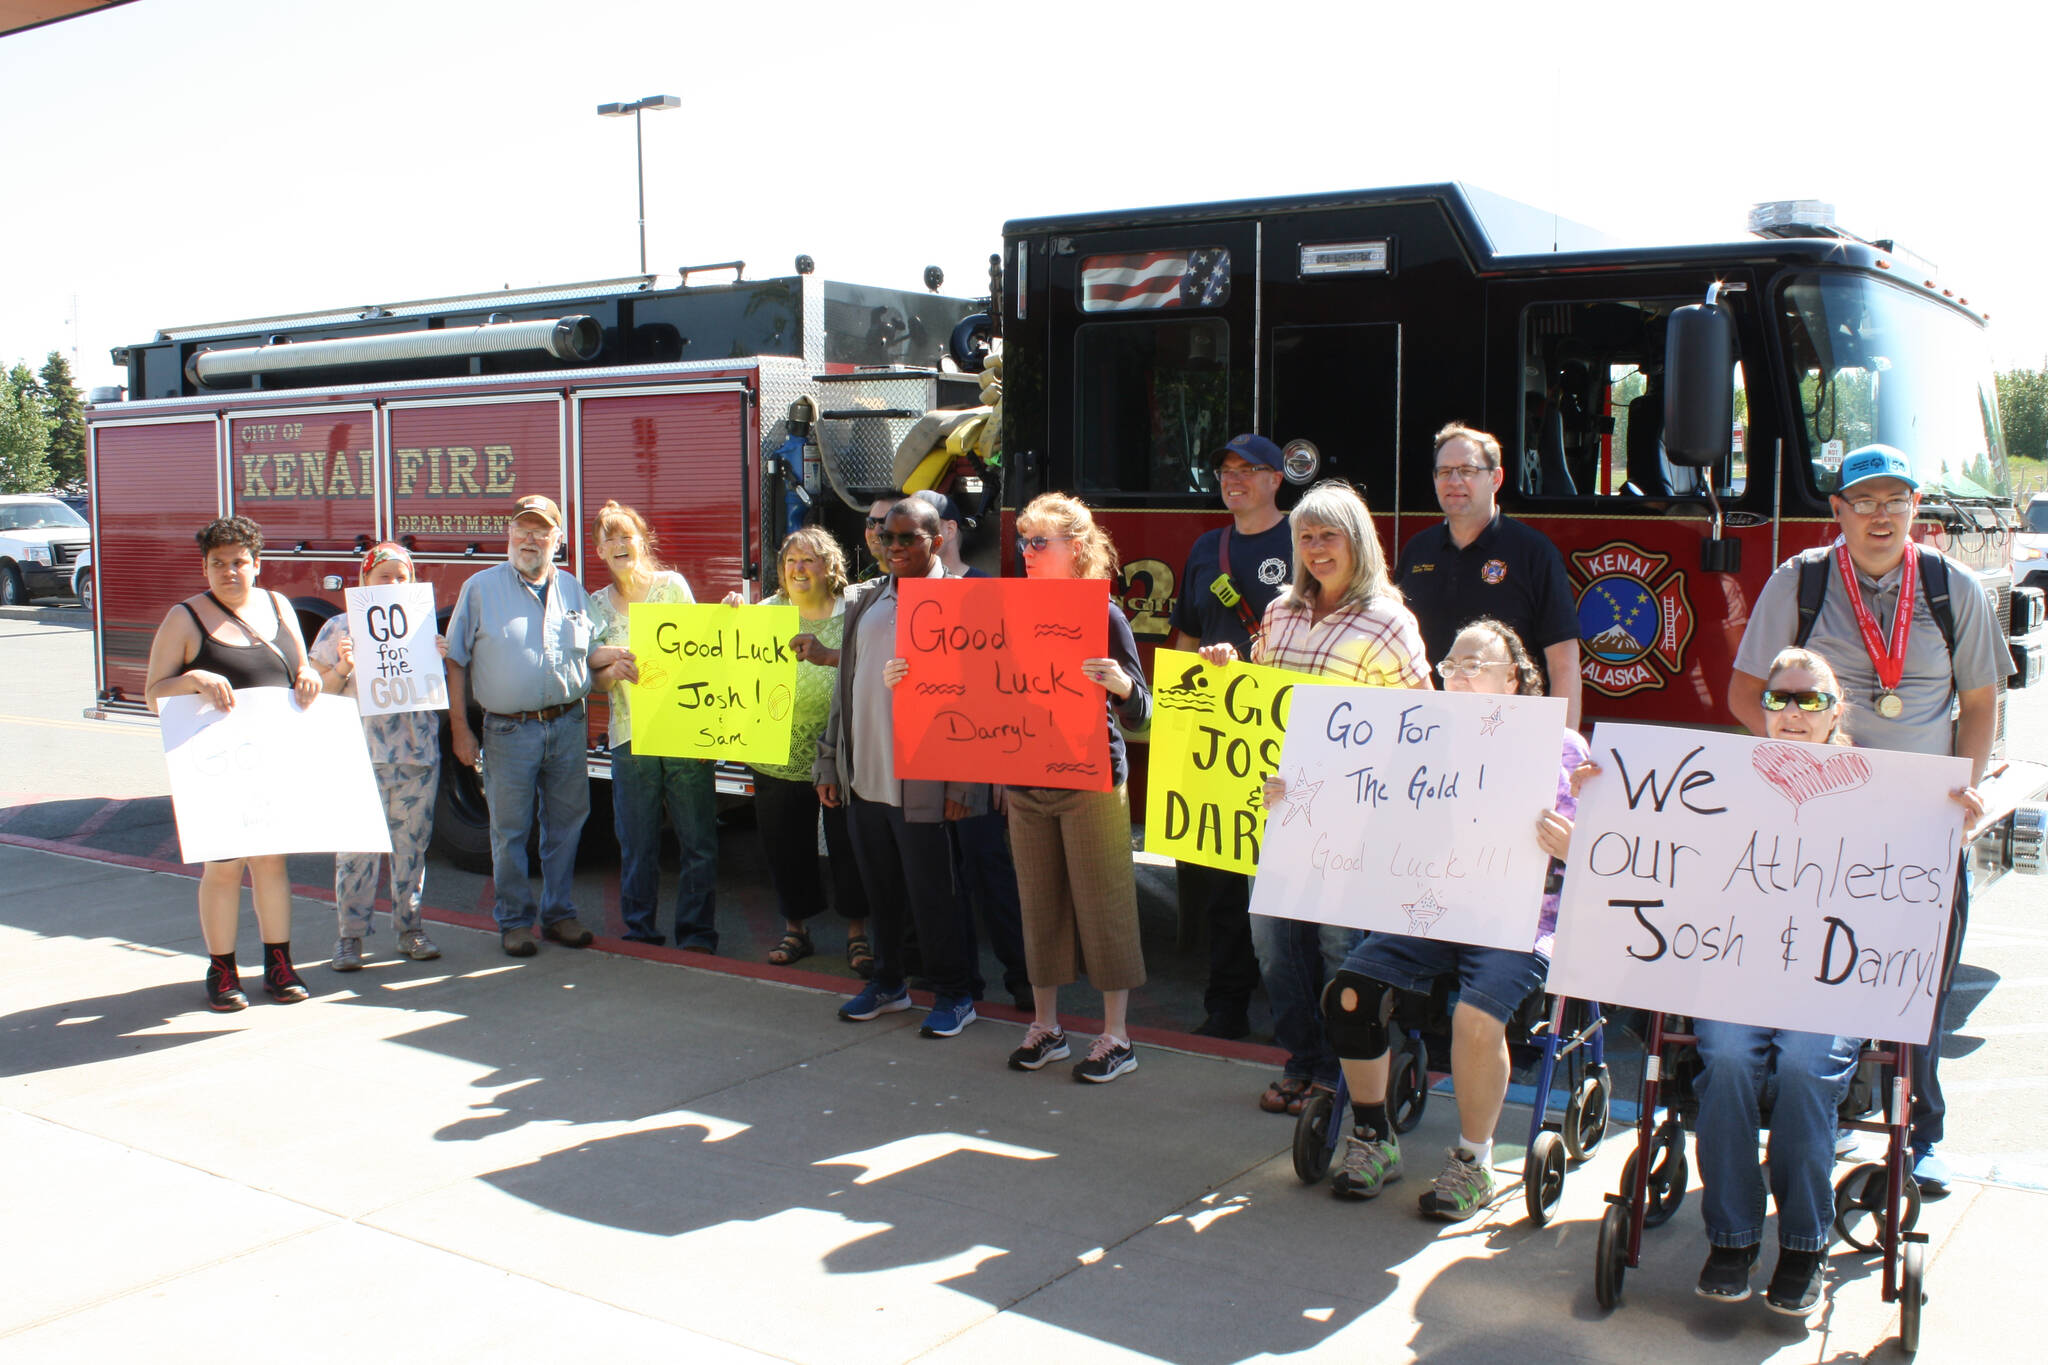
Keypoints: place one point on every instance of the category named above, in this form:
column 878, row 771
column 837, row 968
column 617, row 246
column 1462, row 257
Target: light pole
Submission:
column 639, row 156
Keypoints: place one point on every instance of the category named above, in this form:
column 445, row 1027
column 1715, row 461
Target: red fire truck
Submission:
column 1349, row 327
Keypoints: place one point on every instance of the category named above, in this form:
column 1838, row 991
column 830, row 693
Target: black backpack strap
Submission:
column 1934, row 584
column 1813, row 590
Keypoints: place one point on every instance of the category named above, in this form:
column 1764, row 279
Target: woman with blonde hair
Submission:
column 1342, row 617
column 811, row 576
column 643, row 785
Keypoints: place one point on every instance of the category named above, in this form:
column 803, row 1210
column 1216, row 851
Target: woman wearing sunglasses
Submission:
column 1342, row 617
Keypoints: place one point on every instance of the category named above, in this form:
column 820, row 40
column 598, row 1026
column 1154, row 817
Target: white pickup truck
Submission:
column 40, row 541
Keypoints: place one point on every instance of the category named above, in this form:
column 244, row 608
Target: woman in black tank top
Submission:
column 208, row 646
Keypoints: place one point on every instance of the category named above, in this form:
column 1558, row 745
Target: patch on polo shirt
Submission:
column 1494, row 570
column 1273, row 571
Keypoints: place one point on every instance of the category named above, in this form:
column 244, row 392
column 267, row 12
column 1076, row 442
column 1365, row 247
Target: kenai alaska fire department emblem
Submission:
column 1634, row 619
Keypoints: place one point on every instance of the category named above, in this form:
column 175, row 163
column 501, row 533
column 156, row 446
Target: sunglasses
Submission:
column 901, row 539
column 1805, row 701
column 1468, row 668
column 873, row 522
column 1038, row 543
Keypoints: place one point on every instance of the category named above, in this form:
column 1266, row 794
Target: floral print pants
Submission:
column 408, row 791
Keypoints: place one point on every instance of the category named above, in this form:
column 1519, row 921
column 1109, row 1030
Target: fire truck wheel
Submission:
column 13, row 592
column 462, row 822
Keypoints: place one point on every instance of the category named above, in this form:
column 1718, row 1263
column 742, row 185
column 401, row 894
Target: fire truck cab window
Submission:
column 1154, row 399
column 1593, row 407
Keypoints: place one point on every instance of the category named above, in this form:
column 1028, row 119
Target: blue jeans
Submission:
column 687, row 787
column 1930, row 1110
column 525, row 761
column 1805, row 1075
column 1296, row 958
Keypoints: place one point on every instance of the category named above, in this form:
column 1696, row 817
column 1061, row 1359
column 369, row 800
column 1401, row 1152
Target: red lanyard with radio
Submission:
column 1889, row 661
column 1225, row 589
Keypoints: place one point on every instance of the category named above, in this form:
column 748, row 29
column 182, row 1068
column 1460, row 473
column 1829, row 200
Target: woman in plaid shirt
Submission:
column 1342, row 617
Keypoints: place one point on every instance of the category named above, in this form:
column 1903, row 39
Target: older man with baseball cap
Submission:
column 1914, row 639
column 519, row 641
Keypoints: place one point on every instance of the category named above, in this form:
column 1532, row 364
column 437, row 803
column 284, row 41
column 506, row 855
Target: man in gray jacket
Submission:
column 899, row 827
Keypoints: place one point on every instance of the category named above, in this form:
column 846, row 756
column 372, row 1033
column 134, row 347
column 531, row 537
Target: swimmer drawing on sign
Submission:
column 1190, row 693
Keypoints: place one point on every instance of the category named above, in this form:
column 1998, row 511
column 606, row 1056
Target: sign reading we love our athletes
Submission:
column 995, row 691
column 1786, row 885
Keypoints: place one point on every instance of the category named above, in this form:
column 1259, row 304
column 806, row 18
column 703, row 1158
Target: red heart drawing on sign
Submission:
column 1800, row 778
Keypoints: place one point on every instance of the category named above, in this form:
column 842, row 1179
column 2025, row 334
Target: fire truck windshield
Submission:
column 1877, row 363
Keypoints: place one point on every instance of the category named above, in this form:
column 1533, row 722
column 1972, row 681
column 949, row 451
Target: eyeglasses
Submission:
column 1240, row 473
column 1471, row 473
column 1038, row 543
column 1805, row 701
column 874, row 522
column 531, row 532
column 1892, row 507
column 1468, row 668
column 901, row 539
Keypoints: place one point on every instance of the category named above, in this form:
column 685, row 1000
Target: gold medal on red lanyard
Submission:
column 1888, row 661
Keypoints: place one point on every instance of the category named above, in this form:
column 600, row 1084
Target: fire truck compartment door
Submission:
column 1339, row 386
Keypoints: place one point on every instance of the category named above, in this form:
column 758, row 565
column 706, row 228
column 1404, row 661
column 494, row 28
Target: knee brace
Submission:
column 1359, row 1033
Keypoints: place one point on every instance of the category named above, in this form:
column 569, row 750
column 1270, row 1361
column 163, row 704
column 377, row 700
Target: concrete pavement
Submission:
column 561, row 1158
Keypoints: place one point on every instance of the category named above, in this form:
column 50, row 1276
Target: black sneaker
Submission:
column 1795, row 1285
column 1725, row 1276
column 224, row 990
column 1224, row 1024
column 1106, row 1061
column 1041, row 1045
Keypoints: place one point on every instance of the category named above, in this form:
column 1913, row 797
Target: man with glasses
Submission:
column 899, row 827
column 1481, row 563
column 1230, row 576
column 520, row 640
column 1914, row 639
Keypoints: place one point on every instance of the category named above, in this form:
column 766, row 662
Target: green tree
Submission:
column 2023, row 411
column 24, row 435
column 65, row 408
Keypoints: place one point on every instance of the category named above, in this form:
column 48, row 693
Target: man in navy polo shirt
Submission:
column 1219, row 604
column 1481, row 563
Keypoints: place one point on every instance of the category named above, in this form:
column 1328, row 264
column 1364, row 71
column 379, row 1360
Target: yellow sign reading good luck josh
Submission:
column 715, row 681
column 1216, row 736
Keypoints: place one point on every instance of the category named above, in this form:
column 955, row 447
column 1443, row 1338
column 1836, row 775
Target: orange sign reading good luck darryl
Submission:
column 995, row 692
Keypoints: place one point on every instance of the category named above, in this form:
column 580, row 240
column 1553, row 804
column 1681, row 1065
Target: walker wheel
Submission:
column 1610, row 1264
column 1669, row 1173
column 1912, row 1294
column 1408, row 1095
column 1543, row 1177
column 1312, row 1137
column 1585, row 1117
column 1859, row 1207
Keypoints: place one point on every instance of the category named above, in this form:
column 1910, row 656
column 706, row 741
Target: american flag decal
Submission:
column 1196, row 278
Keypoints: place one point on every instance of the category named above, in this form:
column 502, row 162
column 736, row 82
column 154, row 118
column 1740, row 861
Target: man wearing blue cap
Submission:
column 1231, row 574
column 1909, row 635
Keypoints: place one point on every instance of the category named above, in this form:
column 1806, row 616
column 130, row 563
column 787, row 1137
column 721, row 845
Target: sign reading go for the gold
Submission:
column 1216, row 736
column 715, row 681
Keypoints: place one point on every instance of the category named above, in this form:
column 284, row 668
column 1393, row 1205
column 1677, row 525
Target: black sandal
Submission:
column 860, row 955
column 794, row 948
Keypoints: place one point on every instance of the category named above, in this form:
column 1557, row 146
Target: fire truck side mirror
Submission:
column 1699, row 388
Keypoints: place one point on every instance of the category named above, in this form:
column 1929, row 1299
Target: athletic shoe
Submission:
column 224, row 990
column 1725, row 1276
column 1106, row 1061
column 281, row 980
column 1930, row 1172
column 950, row 1014
column 1795, row 1285
column 874, row 1000
column 567, row 931
column 348, row 955
column 1369, row 1164
column 415, row 944
column 1461, row 1190
column 520, row 942
column 1845, row 1143
column 1041, row 1045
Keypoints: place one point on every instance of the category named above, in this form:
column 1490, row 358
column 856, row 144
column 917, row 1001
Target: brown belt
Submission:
column 545, row 713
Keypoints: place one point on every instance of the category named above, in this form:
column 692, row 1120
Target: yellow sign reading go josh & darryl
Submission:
column 715, row 681
column 1216, row 736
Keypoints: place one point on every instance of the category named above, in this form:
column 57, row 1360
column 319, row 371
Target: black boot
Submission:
column 280, row 978
column 224, row 985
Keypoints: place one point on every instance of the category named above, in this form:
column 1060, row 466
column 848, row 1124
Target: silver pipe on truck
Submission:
column 576, row 338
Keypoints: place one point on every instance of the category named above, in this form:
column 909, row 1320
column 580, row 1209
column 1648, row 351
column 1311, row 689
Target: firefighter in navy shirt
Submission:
column 1219, row 605
column 1479, row 563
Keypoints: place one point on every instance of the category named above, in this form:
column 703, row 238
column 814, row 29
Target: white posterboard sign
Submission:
column 268, row 777
column 1784, row 885
column 398, row 667
column 1413, row 813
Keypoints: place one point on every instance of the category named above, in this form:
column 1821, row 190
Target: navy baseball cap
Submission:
column 1252, row 449
column 1877, row 462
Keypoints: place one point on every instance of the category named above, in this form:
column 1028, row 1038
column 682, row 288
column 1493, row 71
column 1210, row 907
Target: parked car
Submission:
column 40, row 541
column 81, row 578
column 2030, row 546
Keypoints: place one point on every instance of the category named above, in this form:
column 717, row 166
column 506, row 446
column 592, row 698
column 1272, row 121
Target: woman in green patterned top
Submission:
column 641, row 786
column 812, row 574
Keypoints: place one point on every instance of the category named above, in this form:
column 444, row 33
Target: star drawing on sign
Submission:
column 1299, row 797
column 1423, row 912
column 1491, row 721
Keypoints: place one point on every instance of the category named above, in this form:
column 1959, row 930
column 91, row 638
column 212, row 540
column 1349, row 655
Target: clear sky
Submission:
column 182, row 161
